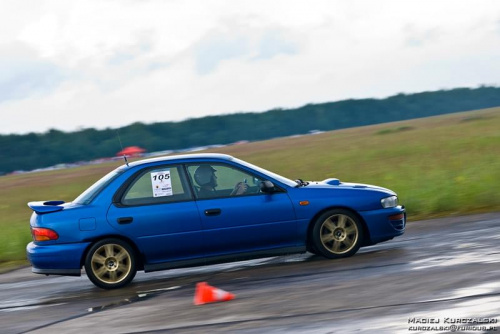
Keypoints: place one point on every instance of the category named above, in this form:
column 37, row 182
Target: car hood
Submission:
column 336, row 183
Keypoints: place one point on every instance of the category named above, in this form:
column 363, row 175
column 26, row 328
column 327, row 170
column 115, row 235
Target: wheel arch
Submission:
column 139, row 260
column 366, row 233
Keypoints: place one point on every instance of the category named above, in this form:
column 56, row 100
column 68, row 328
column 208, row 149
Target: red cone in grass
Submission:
column 208, row 294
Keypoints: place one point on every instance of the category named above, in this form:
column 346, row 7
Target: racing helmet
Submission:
column 205, row 176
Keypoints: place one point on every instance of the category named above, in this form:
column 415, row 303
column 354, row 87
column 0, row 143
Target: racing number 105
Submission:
column 161, row 177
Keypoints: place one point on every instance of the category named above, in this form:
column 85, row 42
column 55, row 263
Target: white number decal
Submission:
column 161, row 183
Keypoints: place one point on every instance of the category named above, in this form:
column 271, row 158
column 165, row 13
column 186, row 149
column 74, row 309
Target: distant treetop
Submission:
column 33, row 150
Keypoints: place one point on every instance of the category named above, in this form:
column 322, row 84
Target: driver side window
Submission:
column 212, row 180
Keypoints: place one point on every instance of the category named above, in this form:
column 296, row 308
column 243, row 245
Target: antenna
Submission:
column 119, row 139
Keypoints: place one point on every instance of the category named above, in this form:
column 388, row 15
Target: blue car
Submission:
column 190, row 210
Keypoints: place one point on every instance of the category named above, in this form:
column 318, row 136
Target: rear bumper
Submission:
column 385, row 224
column 56, row 259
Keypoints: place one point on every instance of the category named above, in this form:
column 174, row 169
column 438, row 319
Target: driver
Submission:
column 205, row 177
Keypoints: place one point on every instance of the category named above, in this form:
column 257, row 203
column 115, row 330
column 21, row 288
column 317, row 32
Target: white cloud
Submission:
column 108, row 63
column 215, row 49
column 23, row 74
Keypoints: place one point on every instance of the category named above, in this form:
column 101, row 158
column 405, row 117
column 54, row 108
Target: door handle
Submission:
column 125, row 220
column 212, row 212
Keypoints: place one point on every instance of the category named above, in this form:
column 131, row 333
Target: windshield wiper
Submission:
column 301, row 183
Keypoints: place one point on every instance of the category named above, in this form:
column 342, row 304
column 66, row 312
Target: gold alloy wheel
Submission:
column 339, row 234
column 111, row 263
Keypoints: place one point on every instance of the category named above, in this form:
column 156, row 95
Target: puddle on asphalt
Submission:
column 40, row 281
column 482, row 289
column 18, row 303
column 207, row 269
column 468, row 246
column 439, row 313
column 23, row 308
column 28, row 308
column 455, row 259
column 291, row 258
column 146, row 292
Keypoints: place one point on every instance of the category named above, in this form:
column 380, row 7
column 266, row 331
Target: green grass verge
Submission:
column 438, row 166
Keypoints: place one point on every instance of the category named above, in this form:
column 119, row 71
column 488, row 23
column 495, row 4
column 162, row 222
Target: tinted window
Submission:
column 216, row 180
column 88, row 195
column 160, row 185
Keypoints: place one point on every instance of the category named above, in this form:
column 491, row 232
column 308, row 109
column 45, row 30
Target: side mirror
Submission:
column 267, row 187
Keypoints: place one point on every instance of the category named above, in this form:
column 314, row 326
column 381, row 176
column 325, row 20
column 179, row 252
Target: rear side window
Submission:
column 160, row 185
column 88, row 195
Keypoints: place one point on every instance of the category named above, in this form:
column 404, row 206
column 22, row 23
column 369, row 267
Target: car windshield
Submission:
column 88, row 195
column 275, row 176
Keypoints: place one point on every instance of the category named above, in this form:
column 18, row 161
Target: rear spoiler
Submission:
column 46, row 207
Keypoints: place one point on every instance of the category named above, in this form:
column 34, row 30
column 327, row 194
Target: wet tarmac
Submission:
column 442, row 276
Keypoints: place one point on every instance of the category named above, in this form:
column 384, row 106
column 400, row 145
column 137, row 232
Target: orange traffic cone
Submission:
column 208, row 294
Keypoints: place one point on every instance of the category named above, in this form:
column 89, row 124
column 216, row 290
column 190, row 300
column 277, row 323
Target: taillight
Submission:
column 43, row 234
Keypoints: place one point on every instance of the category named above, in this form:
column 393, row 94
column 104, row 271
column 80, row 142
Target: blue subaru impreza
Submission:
column 189, row 210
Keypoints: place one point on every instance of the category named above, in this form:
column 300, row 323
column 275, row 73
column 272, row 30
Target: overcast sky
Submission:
column 107, row 63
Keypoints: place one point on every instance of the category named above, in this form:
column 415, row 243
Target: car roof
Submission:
column 183, row 157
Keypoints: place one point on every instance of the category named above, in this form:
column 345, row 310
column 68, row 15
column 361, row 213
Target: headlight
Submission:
column 389, row 202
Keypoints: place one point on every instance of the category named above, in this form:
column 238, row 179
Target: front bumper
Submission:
column 385, row 224
column 56, row 259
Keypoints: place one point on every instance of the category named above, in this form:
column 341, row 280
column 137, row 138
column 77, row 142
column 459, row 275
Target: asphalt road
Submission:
column 441, row 273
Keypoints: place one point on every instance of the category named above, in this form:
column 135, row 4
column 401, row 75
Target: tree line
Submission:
column 37, row 150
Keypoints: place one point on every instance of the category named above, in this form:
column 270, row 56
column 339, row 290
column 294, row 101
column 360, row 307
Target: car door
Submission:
column 158, row 212
column 236, row 221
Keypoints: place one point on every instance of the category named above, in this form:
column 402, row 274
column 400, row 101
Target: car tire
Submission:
column 110, row 264
column 337, row 233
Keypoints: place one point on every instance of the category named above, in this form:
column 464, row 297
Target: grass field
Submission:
column 438, row 166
